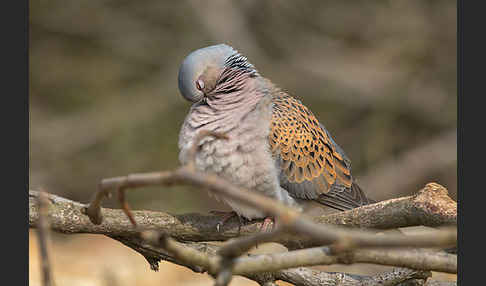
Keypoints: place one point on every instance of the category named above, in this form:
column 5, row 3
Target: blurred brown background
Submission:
column 380, row 75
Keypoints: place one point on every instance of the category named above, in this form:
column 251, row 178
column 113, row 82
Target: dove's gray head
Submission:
column 206, row 68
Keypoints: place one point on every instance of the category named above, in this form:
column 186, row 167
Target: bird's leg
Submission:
column 267, row 224
column 225, row 216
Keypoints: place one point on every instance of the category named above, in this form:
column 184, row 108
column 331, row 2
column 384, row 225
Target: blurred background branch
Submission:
column 393, row 176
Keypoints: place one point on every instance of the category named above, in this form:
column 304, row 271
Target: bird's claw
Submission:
column 225, row 217
column 267, row 225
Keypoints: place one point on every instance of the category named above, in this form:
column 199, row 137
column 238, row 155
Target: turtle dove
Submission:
column 276, row 145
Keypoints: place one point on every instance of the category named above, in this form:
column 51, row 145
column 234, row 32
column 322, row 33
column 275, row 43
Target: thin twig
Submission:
column 43, row 237
column 416, row 258
column 343, row 238
column 125, row 206
column 238, row 246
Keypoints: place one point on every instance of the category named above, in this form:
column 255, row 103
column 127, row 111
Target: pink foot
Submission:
column 267, row 224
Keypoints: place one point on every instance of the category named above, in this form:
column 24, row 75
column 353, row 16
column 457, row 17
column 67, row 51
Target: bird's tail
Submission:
column 345, row 198
column 365, row 200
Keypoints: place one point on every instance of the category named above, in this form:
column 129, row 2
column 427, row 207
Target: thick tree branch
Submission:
column 310, row 277
column 430, row 206
column 407, row 211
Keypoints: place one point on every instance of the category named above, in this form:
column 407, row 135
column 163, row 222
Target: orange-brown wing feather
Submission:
column 312, row 165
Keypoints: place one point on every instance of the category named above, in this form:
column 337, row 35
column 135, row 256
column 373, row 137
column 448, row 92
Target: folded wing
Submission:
column 312, row 165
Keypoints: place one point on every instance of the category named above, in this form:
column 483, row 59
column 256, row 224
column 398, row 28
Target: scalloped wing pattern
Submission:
column 312, row 165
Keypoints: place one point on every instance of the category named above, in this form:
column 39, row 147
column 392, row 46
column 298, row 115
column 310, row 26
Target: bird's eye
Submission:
column 199, row 84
